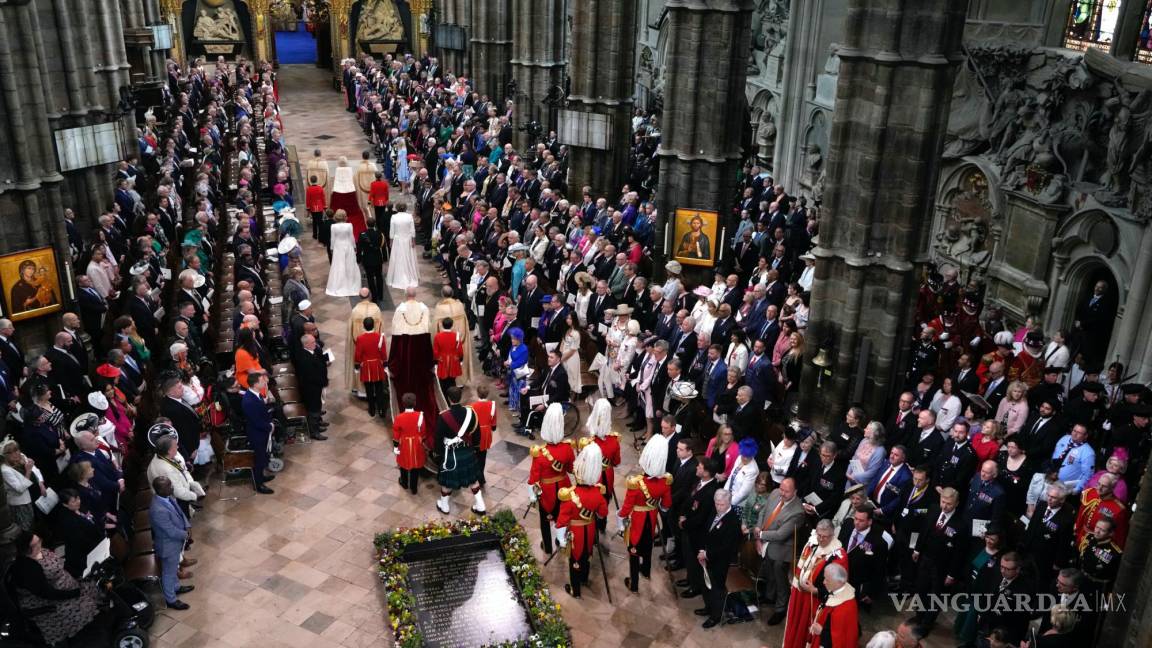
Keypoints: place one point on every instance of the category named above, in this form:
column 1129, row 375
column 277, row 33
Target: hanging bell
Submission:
column 821, row 359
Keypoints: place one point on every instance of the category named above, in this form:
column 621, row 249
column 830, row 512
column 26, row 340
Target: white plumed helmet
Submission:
column 600, row 421
column 1003, row 338
column 589, row 465
column 654, row 458
column 552, row 429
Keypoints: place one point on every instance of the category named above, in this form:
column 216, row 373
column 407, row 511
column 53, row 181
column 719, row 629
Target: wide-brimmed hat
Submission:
column 623, row 309
column 287, row 244
column 702, row 291
column 584, row 278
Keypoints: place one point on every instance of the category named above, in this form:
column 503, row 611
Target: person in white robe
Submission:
column 402, row 270
column 344, row 275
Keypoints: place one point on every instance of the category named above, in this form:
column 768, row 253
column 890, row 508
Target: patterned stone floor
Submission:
column 296, row 568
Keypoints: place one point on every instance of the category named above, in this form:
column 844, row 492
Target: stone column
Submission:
column 892, row 104
column 802, row 59
column 537, row 61
column 603, row 74
column 704, row 108
column 455, row 12
column 491, row 47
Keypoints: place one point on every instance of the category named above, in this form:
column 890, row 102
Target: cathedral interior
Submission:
column 998, row 150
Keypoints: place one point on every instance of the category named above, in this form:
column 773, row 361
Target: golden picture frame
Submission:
column 695, row 236
column 31, row 283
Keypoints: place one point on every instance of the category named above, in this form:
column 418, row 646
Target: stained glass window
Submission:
column 1092, row 23
column 1144, row 38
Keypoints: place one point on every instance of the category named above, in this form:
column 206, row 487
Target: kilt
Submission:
column 458, row 468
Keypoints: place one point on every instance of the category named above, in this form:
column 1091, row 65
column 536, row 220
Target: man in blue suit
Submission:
column 258, row 425
column 760, row 374
column 890, row 485
column 169, row 533
column 758, row 315
column 107, row 478
column 715, row 375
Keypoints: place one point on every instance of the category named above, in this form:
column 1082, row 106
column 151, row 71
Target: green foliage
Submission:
column 544, row 612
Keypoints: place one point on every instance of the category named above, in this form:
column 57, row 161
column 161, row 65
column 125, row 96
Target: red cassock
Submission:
column 579, row 508
column 839, row 619
column 802, row 605
column 314, row 199
column 485, row 413
column 371, row 355
column 642, row 503
column 449, row 352
column 550, row 467
column 407, row 437
column 378, row 193
column 610, row 449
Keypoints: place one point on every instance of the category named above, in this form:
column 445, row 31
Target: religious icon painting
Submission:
column 31, row 283
column 694, row 236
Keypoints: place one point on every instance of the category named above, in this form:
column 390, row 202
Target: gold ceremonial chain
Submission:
column 404, row 314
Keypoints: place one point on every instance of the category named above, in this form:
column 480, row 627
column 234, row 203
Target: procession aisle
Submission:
column 296, row 566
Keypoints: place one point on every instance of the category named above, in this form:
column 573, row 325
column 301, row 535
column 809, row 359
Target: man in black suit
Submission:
column 940, row 553
column 682, row 467
column 553, row 382
column 1049, row 538
column 1013, row 582
column 956, row 463
column 749, row 414
column 747, row 254
column 370, row 254
column 926, row 443
column 964, row 379
column 1095, row 318
column 183, row 417
column 77, row 344
column 827, row 482
column 599, row 302
column 1042, row 430
column 996, row 387
column 67, row 372
column 918, row 500
column 683, row 344
column 694, row 521
column 11, row 352
column 93, row 309
column 666, row 327
column 143, row 309
column 530, row 308
column 312, row 370
column 901, row 427
column 867, row 546
column 717, row 550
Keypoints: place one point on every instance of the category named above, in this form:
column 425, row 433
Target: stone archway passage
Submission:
column 1095, row 313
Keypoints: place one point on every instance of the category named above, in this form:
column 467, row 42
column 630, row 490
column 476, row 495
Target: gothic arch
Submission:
column 1084, row 243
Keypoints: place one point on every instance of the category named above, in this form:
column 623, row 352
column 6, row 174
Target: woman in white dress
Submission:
column 570, row 352
column 946, row 406
column 625, row 354
column 344, row 275
column 402, row 271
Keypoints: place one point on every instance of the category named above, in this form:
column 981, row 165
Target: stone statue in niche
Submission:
column 963, row 238
column 379, row 20
column 223, row 25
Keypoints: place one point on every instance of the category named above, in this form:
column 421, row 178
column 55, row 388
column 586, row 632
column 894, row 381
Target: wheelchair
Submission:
column 124, row 622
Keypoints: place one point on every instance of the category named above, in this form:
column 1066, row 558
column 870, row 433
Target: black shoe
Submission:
column 701, row 612
column 710, row 623
column 689, row 593
column 178, row 605
column 683, row 582
column 184, row 589
column 264, row 490
column 777, row 618
column 738, row 620
column 319, row 437
column 269, row 478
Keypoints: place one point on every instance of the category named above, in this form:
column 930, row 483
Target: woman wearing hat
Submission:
column 741, row 480
column 610, row 375
column 517, row 364
column 673, row 287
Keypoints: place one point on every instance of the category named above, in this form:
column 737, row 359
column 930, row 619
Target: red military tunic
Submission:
column 610, row 449
column 1094, row 508
column 485, row 413
column 549, row 473
column 987, row 361
column 407, row 438
column 645, row 498
column 579, row 508
column 378, row 193
column 314, row 198
column 1026, row 367
column 448, row 352
column 371, row 355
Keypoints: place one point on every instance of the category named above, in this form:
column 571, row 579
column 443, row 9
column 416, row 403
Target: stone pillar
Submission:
column 340, row 12
column 892, row 105
column 170, row 13
column 455, row 12
column 491, row 47
column 602, row 72
column 537, row 61
column 704, row 108
column 802, row 59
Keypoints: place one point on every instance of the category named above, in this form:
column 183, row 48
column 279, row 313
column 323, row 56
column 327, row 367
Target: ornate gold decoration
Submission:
column 379, row 20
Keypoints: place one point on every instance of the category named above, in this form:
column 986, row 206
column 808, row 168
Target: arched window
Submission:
column 1092, row 23
column 1144, row 37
